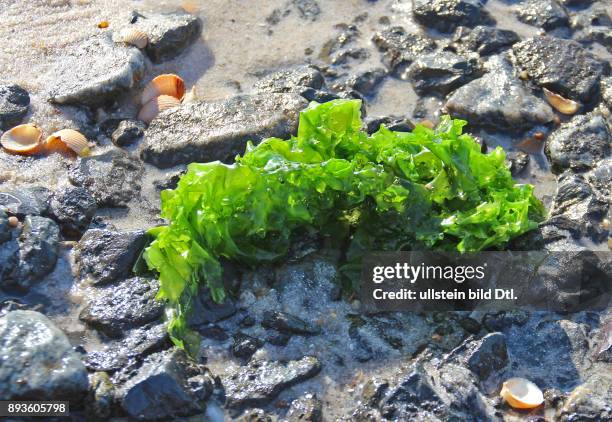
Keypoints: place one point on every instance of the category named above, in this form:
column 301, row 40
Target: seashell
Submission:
column 521, row 393
column 22, row 139
column 68, row 141
column 150, row 110
column 132, row 36
column 167, row 84
column 103, row 25
column 561, row 104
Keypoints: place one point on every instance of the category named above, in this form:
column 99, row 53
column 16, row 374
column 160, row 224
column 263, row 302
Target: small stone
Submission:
column 26, row 201
column 254, row 415
column 546, row 14
column 284, row 322
column 308, row 9
column 446, row 15
column 14, row 103
column 278, row 338
column 488, row 355
column 73, row 208
column 366, row 82
column 245, row 346
column 307, row 408
column 128, row 132
column 401, row 48
column 441, row 73
column 484, row 40
column 213, row 331
column 518, row 163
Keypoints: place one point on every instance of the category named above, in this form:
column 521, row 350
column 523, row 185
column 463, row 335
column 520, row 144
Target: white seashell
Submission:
column 150, row 110
column 132, row 36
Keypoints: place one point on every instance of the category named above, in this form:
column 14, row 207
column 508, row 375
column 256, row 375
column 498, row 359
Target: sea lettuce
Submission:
column 427, row 189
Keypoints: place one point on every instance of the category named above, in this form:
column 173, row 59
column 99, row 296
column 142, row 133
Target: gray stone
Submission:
column 5, row 230
column 593, row 25
column 287, row 323
column 394, row 123
column 308, row 9
column 546, row 14
column 113, row 178
column 26, row 201
column 484, row 40
column 446, row 15
column 291, row 80
column 545, row 59
column 14, row 103
column 208, row 131
column 441, row 73
column 259, row 382
column 401, row 48
column 73, row 209
column 104, row 255
column 499, row 100
column 307, row 408
column 168, row 385
column 122, row 306
column 589, row 401
column 38, row 362
column 245, row 346
column 128, row 132
column 366, row 82
column 580, row 143
column 488, row 355
column 95, row 72
column 518, row 163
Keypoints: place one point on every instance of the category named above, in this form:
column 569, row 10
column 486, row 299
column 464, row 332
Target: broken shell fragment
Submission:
column 167, row 84
column 23, row 139
column 150, row 110
column 561, row 104
column 521, row 393
column 68, row 140
column 132, row 36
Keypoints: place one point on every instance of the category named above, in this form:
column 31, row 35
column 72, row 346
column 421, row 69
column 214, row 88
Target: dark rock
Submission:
column 484, row 40
column 278, row 338
column 123, row 306
column 308, row 9
column 546, row 14
column 168, row 385
column 361, row 350
column 499, row 100
column 5, row 230
column 206, row 310
column 255, row 415
column 26, row 201
column 488, row 355
column 593, row 25
column 258, row 383
column 247, row 321
column 213, row 332
column 105, row 255
column 394, row 123
column 518, row 163
column 38, row 362
column 374, row 390
column 580, row 143
column 284, row 322
column 101, row 398
column 401, row 48
column 307, row 408
column 501, row 321
column 14, row 103
column 366, row 82
column 335, row 47
column 293, row 80
column 95, row 72
column 441, row 73
column 545, row 59
column 137, row 344
column 128, row 132
column 73, row 208
column 470, row 325
column 589, row 401
column 364, row 414
column 219, row 130
column 245, row 346
column 446, row 15
column 112, row 178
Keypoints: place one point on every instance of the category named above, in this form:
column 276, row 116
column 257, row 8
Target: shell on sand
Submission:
column 68, row 140
column 23, row 139
column 167, row 84
column 132, row 36
column 150, row 110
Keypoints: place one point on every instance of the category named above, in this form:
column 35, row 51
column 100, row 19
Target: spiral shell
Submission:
column 68, row 140
column 167, row 84
column 150, row 110
column 133, row 36
column 23, row 139
column 561, row 104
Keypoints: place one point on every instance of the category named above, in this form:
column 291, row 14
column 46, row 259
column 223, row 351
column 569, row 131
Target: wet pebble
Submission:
column 307, row 408
column 484, row 40
column 441, row 73
column 101, row 399
column 546, row 14
column 400, row 48
column 446, row 15
column 25, row 201
column 287, row 323
column 73, row 209
column 488, row 356
column 14, row 104
column 128, row 132
column 245, row 346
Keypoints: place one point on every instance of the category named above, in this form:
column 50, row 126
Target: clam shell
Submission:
column 68, row 140
column 167, row 84
column 133, row 36
column 561, row 104
column 150, row 110
column 22, row 139
column 521, row 393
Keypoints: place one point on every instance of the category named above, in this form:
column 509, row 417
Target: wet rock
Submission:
column 37, row 256
column 374, row 390
column 593, row 25
column 38, row 362
column 580, row 143
column 488, row 355
column 589, row 401
column 214, row 332
column 123, row 306
column 484, row 40
column 441, row 73
column 113, row 178
column 245, row 346
column 366, row 82
column 73, row 208
column 361, row 350
column 100, row 401
column 307, row 408
column 446, row 15
column 26, row 201
column 278, row 338
column 14, row 103
column 255, row 415
column 208, row 131
column 260, row 382
column 104, row 255
column 307, row 9
column 499, row 100
column 168, row 385
column 394, row 123
column 293, row 79
column 546, row 14
column 206, row 310
column 169, row 34
column 128, row 132
column 401, row 48
column 545, row 60
column 129, row 351
column 518, row 163
column 284, row 322
column 95, row 72
column 503, row 320
column 5, row 230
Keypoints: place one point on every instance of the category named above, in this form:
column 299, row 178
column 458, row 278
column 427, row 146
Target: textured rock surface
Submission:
column 14, row 103
column 38, row 362
column 400, row 48
column 128, row 132
column 547, row 14
column 73, row 208
column 484, row 40
column 26, row 201
column 169, row 34
column 95, row 72
column 446, row 15
column 219, row 130
column 441, row 73
column 284, row 322
column 305, row 409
